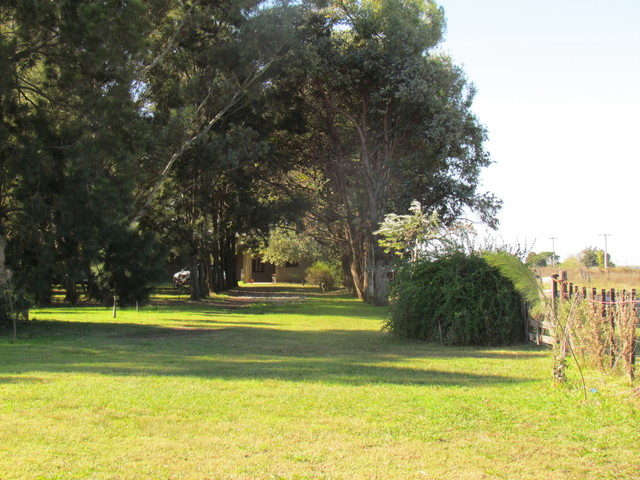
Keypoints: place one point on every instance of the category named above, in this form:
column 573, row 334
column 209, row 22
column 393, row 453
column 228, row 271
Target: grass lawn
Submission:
column 305, row 389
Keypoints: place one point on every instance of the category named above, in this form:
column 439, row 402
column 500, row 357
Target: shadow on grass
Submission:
column 250, row 293
column 216, row 308
column 239, row 352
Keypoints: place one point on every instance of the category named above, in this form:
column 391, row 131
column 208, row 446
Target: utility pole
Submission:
column 553, row 247
column 606, row 255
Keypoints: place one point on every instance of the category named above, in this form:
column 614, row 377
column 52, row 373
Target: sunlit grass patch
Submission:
column 309, row 389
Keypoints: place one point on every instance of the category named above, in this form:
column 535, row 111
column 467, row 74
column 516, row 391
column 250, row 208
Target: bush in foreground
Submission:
column 456, row 300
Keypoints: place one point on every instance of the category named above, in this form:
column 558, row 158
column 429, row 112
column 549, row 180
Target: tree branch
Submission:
column 194, row 138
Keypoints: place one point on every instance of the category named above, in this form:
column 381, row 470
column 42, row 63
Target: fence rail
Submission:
column 609, row 302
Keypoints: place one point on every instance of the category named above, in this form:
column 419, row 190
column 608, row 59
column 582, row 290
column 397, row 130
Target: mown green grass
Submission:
column 305, row 390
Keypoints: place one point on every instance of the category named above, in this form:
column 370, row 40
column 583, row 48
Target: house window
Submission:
column 257, row 266
column 292, row 264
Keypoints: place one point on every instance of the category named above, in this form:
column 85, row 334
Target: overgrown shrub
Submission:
column 602, row 335
column 324, row 273
column 456, row 300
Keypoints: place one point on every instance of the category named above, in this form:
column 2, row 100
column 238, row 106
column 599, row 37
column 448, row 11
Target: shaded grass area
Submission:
column 289, row 388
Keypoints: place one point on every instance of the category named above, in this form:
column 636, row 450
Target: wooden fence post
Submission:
column 633, row 337
column 554, row 290
column 634, row 342
column 563, row 286
column 611, row 312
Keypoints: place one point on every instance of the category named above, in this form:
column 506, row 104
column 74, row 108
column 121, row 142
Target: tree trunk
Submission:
column 377, row 282
column 205, row 286
column 5, row 273
column 376, row 273
column 194, row 269
column 230, row 254
column 357, row 275
column 216, row 281
column 72, row 292
column 355, row 255
column 371, row 277
column 347, row 277
column 224, row 264
column 6, row 295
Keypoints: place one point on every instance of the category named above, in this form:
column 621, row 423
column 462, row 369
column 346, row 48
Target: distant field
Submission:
column 617, row 277
column 294, row 385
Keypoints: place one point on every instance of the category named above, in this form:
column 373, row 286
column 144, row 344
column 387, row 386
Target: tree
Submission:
column 70, row 127
column 594, row 257
column 99, row 102
column 601, row 262
column 389, row 122
column 407, row 233
column 542, row 259
column 205, row 121
column 417, row 234
column 205, row 60
column 589, row 257
column 209, row 100
column 286, row 245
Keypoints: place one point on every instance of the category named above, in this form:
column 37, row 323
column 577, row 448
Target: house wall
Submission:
column 246, row 269
column 292, row 274
column 261, row 271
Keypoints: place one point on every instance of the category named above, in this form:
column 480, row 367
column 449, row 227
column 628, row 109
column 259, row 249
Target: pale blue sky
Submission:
column 559, row 92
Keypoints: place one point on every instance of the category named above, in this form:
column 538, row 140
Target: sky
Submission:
column 558, row 89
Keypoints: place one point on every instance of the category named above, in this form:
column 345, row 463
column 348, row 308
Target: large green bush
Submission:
column 324, row 274
column 456, row 300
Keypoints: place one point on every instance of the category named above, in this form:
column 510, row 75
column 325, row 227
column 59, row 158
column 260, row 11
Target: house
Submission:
column 253, row 269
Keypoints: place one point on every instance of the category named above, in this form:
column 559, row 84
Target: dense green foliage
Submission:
column 542, row 259
column 125, row 271
column 325, row 274
column 589, row 257
column 124, row 126
column 456, row 300
column 136, row 134
column 213, row 112
column 594, row 257
column 388, row 120
column 71, row 134
column 285, row 245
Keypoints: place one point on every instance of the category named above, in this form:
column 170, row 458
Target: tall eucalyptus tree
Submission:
column 392, row 122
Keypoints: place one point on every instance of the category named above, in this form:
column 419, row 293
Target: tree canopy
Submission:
column 594, row 257
column 133, row 134
column 542, row 259
column 388, row 121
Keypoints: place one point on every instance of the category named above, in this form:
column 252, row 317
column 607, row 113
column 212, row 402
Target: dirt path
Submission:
column 245, row 296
